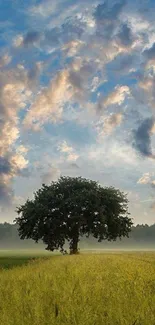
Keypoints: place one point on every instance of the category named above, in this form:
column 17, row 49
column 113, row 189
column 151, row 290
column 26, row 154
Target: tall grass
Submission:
column 109, row 289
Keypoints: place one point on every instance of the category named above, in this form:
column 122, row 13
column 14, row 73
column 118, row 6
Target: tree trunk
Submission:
column 74, row 245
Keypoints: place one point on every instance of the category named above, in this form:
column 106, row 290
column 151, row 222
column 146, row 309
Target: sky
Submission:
column 77, row 98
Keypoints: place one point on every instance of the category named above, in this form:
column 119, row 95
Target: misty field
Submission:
column 86, row 289
column 10, row 259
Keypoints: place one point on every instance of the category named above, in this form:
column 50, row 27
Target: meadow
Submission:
column 86, row 289
column 12, row 258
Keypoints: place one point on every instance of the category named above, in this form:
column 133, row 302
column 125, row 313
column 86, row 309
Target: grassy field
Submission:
column 12, row 258
column 87, row 289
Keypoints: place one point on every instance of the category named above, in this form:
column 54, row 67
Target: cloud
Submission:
column 105, row 13
column 4, row 166
column 52, row 174
column 124, row 63
column 52, row 37
column 18, row 41
column 124, row 36
column 116, row 97
column 44, row 9
column 72, row 29
column 146, row 90
column 72, row 47
column 68, row 151
column 95, row 83
column 5, row 60
column 79, row 25
column 22, row 149
column 70, row 86
column 142, row 138
column 27, row 40
column 145, row 179
column 109, row 123
column 79, row 78
column 55, row 12
column 14, row 95
column 11, row 165
column 149, row 59
column 48, row 105
column 18, row 162
column 6, row 193
column 112, row 153
column 107, row 17
column 9, row 133
column 31, row 38
column 147, row 84
column 149, row 53
column 62, row 31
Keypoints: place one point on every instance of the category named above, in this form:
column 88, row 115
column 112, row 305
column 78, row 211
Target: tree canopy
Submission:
column 73, row 207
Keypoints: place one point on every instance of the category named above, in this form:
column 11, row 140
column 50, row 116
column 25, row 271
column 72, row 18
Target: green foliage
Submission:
column 109, row 289
column 73, row 207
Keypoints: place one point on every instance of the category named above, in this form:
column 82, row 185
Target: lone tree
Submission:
column 73, row 207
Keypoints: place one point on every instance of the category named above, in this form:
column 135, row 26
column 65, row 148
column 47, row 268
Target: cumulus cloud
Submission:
column 14, row 95
column 60, row 32
column 67, row 36
column 48, row 106
column 107, row 16
column 72, row 48
column 142, row 138
column 18, row 162
column 116, row 97
column 109, row 123
column 80, row 74
column 145, row 179
column 22, row 149
column 68, row 151
column 71, row 85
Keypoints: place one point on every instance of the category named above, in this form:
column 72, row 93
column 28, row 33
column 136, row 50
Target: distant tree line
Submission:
column 141, row 235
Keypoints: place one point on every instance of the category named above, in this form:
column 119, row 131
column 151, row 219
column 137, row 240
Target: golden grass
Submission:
column 109, row 289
